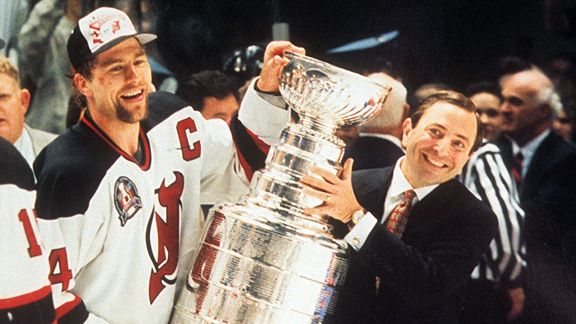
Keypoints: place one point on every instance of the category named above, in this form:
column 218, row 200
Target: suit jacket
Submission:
column 373, row 152
column 547, row 195
column 422, row 274
column 39, row 138
column 547, row 192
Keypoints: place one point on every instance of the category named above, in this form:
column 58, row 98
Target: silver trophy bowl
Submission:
column 327, row 96
column 263, row 260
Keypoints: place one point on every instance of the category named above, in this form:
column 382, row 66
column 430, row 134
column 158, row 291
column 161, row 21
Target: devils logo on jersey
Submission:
column 126, row 199
column 162, row 235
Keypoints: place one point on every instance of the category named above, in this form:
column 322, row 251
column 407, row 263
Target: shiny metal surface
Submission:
column 262, row 260
column 326, row 96
column 240, row 271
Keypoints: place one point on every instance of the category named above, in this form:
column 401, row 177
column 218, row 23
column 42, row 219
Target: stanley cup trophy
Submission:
column 262, row 260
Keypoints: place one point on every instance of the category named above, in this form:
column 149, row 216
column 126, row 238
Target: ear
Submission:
column 25, row 99
column 406, row 111
column 406, row 131
column 81, row 83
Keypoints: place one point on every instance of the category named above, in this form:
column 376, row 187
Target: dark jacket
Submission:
column 547, row 195
column 371, row 152
column 422, row 274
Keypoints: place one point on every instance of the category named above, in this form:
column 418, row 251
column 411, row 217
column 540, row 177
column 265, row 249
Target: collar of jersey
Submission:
column 143, row 139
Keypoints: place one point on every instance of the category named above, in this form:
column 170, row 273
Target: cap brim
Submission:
column 143, row 39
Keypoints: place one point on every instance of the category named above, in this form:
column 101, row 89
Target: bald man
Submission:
column 378, row 144
column 544, row 168
column 14, row 102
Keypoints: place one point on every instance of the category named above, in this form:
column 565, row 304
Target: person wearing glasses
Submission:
column 494, row 293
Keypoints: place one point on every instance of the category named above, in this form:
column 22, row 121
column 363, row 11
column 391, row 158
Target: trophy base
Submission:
column 252, row 268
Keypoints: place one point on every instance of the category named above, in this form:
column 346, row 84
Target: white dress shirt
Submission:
column 528, row 150
column 399, row 184
column 24, row 145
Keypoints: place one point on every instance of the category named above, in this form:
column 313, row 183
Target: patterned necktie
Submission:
column 517, row 168
column 396, row 222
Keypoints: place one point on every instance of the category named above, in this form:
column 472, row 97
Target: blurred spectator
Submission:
column 424, row 91
column 378, row 144
column 563, row 124
column 542, row 163
column 13, row 106
column 494, row 293
column 486, row 98
column 563, row 75
column 349, row 134
column 244, row 63
column 13, row 14
column 43, row 58
column 211, row 92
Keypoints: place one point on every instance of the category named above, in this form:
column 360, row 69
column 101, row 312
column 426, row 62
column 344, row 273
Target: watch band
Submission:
column 356, row 217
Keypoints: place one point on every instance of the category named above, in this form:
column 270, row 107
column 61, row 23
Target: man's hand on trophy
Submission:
column 336, row 192
column 274, row 61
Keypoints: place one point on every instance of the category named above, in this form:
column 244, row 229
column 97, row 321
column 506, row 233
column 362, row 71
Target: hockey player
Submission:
column 25, row 294
column 119, row 193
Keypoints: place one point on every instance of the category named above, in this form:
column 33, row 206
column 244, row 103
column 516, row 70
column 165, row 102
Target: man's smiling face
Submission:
column 120, row 83
column 439, row 145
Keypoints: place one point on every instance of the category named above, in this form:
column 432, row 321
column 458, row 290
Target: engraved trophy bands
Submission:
column 262, row 260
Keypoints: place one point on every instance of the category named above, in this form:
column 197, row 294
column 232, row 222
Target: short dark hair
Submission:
column 85, row 68
column 76, row 105
column 457, row 99
column 209, row 83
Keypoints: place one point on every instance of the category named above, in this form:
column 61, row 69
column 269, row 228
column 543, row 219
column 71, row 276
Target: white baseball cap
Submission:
column 100, row 30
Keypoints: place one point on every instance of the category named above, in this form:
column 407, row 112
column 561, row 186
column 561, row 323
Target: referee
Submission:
column 494, row 292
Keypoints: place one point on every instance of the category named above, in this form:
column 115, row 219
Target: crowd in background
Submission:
column 524, row 171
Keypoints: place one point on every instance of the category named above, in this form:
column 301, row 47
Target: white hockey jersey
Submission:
column 25, row 294
column 119, row 229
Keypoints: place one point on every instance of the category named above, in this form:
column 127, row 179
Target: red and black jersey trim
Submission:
column 73, row 312
column 72, row 167
column 69, row 171
column 143, row 139
column 252, row 151
column 34, row 307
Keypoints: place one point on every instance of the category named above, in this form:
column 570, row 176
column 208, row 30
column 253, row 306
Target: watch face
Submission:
column 357, row 216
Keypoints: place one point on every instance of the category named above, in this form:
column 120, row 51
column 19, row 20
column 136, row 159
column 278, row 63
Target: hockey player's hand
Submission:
column 274, row 61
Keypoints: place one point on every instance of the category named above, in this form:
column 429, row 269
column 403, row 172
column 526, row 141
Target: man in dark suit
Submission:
column 545, row 169
column 413, row 275
column 378, row 143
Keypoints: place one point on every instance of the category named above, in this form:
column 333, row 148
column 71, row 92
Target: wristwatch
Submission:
column 356, row 217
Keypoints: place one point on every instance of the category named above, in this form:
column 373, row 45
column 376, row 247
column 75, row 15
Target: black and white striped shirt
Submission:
column 487, row 177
